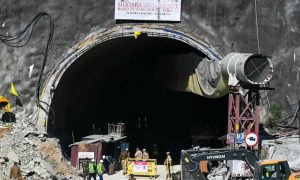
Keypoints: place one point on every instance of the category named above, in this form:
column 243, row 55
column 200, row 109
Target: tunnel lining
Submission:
column 104, row 87
column 101, row 36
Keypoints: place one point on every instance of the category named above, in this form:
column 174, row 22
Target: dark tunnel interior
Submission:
column 138, row 82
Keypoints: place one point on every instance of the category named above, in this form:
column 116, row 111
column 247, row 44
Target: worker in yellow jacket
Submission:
column 100, row 169
column 92, row 169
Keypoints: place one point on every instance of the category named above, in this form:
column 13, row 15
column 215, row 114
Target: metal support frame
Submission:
column 243, row 113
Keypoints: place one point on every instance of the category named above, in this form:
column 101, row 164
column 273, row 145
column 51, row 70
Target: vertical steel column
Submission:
column 237, row 116
column 257, row 110
column 229, row 123
column 237, row 113
column 243, row 114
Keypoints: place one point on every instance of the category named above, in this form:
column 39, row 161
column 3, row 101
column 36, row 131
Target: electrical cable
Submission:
column 258, row 46
column 256, row 23
column 20, row 39
column 286, row 123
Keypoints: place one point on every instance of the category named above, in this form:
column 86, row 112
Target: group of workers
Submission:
column 144, row 155
column 138, row 155
column 141, row 154
column 91, row 170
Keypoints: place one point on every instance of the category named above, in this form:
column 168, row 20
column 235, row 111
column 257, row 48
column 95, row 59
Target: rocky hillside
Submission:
column 228, row 25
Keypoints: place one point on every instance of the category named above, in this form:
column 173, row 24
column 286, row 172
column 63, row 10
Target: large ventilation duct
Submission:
column 235, row 68
column 253, row 69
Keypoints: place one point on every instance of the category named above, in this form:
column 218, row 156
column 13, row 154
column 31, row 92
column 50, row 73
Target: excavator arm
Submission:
column 191, row 159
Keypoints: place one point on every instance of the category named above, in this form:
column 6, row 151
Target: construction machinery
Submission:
column 8, row 116
column 5, row 104
column 260, row 170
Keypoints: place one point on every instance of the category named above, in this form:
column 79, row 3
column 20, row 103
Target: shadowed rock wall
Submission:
column 227, row 25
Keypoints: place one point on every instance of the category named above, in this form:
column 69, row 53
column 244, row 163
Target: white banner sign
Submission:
column 155, row 10
column 83, row 155
column 140, row 167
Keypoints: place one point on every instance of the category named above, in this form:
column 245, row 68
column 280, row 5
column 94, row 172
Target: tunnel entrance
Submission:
column 141, row 83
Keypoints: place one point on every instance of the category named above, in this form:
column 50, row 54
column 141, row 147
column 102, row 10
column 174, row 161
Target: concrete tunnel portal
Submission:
column 139, row 82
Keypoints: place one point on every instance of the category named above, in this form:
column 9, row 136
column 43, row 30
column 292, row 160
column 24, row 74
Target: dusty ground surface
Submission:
column 39, row 157
column 5, row 130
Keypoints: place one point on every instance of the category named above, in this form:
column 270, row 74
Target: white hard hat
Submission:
column 93, row 160
column 101, row 160
column 126, row 149
column 103, row 157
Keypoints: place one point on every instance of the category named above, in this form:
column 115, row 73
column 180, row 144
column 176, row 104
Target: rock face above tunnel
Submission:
column 229, row 26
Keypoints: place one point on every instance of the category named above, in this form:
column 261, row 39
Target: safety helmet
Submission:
column 93, row 160
column 101, row 160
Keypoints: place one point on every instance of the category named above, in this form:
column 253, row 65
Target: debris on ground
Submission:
column 286, row 148
column 39, row 156
column 218, row 173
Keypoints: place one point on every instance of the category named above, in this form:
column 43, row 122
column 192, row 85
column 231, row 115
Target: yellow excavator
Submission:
column 261, row 170
column 270, row 168
column 8, row 116
column 5, row 104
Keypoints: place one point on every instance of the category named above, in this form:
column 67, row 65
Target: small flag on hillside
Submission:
column 18, row 102
column 136, row 34
column 13, row 90
column 30, row 70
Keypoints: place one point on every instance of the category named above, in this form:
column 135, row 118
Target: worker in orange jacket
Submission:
column 15, row 172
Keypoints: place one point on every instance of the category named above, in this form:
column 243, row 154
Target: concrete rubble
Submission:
column 40, row 157
column 287, row 148
column 218, row 173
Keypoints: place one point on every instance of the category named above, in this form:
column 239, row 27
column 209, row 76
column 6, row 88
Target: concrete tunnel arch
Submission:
column 120, row 32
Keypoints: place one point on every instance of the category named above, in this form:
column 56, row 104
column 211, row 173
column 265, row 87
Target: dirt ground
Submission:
column 50, row 151
column 5, row 130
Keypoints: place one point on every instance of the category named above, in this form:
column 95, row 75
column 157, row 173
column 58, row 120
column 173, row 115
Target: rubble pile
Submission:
column 218, row 173
column 287, row 148
column 39, row 156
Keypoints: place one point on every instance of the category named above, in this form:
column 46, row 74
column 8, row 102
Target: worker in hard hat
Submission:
column 145, row 154
column 168, row 164
column 92, row 170
column 109, row 163
column 138, row 154
column 123, row 158
column 100, row 169
column 15, row 172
